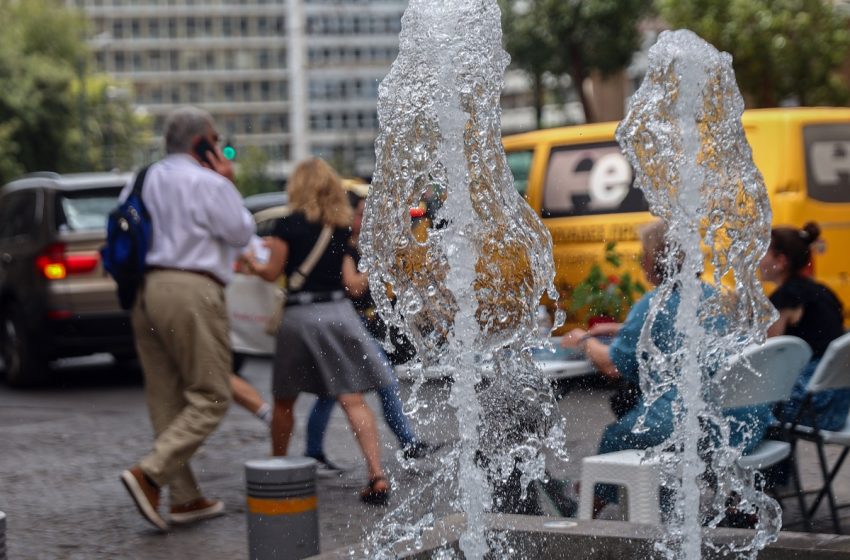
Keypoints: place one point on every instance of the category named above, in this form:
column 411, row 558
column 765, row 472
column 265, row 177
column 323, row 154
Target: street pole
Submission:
column 296, row 54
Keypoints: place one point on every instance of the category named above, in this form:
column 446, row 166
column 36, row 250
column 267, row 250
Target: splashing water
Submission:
column 684, row 138
column 466, row 288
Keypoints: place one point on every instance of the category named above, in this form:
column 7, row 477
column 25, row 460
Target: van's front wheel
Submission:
column 22, row 364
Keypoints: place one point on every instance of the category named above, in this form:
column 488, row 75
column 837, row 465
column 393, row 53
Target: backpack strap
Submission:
column 138, row 184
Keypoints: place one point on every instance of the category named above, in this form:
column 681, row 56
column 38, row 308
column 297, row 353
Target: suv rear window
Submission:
column 85, row 210
column 590, row 179
column 828, row 161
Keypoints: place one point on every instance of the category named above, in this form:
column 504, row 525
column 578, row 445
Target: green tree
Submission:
column 781, row 49
column 575, row 37
column 251, row 174
column 600, row 35
column 110, row 133
column 529, row 45
column 45, row 112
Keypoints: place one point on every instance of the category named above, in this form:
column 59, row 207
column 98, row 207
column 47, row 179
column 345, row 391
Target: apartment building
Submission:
column 292, row 77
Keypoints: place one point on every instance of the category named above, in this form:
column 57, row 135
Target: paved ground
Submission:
column 62, row 447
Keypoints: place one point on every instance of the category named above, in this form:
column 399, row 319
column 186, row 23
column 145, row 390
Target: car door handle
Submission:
column 6, row 258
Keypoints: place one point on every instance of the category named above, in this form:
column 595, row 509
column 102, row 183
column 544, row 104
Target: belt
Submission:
column 304, row 298
column 204, row 273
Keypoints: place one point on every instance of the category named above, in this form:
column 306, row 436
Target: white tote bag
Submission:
column 250, row 304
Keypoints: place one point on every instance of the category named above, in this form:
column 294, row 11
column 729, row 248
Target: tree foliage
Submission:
column 251, row 174
column 48, row 120
column 528, row 43
column 781, row 49
column 575, row 37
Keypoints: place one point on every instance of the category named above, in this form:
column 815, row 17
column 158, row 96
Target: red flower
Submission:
column 613, row 279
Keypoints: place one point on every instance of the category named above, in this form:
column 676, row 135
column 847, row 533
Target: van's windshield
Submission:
column 828, row 161
column 590, row 179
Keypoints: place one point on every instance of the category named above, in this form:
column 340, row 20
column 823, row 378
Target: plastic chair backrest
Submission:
column 764, row 373
column 833, row 370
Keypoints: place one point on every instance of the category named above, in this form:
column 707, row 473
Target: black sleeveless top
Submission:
column 822, row 320
column 301, row 236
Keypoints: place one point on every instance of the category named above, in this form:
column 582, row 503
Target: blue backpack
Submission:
column 128, row 238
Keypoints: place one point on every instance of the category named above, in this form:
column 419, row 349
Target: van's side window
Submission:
column 520, row 164
column 590, row 179
column 828, row 162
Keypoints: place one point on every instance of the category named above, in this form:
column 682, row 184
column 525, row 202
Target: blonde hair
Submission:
column 316, row 190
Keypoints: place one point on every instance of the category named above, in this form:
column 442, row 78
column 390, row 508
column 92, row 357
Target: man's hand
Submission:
column 217, row 162
column 573, row 338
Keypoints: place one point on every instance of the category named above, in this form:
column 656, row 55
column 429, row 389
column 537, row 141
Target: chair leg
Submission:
column 798, row 489
column 828, row 477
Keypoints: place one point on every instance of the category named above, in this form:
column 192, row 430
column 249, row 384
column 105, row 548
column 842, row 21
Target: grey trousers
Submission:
column 181, row 333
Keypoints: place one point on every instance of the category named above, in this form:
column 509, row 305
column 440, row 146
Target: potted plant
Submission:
column 606, row 295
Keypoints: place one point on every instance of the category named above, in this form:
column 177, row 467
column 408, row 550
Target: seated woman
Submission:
column 808, row 310
column 620, row 359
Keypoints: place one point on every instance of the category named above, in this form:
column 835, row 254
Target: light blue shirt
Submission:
column 751, row 421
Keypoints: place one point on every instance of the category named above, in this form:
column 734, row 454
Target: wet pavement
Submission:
column 62, row 448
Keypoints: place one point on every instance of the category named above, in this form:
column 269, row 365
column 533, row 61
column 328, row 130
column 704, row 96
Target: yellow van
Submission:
column 579, row 182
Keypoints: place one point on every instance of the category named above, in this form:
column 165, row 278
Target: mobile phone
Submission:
column 201, row 148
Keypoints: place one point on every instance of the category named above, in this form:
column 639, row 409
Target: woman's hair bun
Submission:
column 810, row 232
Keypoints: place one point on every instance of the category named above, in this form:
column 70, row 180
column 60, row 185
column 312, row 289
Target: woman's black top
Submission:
column 301, row 236
column 822, row 320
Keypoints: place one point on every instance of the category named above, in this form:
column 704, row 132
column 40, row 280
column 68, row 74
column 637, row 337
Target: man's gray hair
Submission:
column 182, row 125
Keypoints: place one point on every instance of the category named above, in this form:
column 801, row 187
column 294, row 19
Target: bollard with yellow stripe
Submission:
column 2, row 536
column 283, row 515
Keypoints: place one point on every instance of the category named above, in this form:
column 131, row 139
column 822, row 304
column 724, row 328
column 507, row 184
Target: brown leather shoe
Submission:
column 145, row 495
column 196, row 510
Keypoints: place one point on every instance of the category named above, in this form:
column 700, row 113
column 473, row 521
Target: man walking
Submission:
column 179, row 317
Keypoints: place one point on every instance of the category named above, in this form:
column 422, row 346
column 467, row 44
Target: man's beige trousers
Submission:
column 181, row 331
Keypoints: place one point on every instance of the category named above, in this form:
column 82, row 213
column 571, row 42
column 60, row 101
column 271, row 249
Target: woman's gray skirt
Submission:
column 324, row 349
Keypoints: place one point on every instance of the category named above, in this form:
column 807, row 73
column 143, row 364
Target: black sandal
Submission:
column 374, row 496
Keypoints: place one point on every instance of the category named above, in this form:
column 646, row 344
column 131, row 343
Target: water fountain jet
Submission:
column 684, row 138
column 467, row 288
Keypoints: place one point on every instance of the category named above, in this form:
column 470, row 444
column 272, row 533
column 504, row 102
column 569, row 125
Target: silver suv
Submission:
column 55, row 298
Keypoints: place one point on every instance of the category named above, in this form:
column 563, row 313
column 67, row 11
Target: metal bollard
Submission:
column 283, row 519
column 2, row 536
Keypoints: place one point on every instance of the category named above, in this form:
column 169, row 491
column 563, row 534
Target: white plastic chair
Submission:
column 759, row 375
column 832, row 372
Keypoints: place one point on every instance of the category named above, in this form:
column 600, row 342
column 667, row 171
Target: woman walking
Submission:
column 322, row 347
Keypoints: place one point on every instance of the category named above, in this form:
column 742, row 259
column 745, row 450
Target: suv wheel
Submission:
column 22, row 363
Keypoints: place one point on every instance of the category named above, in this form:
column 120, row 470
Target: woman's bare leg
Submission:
column 283, row 421
column 245, row 395
column 365, row 430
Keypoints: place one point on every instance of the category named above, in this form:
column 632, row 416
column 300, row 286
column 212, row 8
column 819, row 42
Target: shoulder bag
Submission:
column 296, row 280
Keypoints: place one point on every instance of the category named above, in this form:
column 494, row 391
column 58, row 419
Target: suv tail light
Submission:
column 54, row 264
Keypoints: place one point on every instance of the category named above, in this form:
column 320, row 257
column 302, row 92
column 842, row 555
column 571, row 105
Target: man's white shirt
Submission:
column 199, row 221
